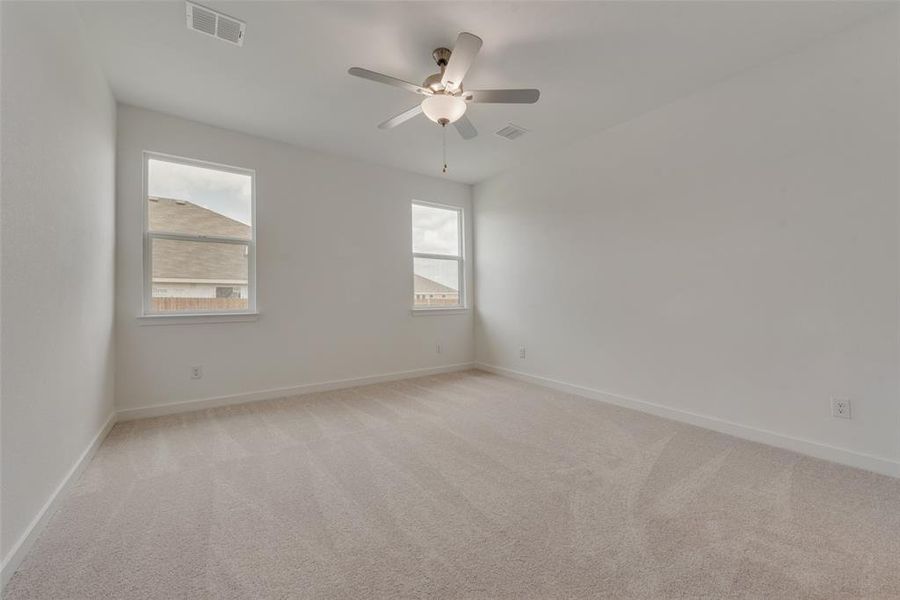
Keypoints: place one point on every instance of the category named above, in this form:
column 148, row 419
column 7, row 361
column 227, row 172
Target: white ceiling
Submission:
column 596, row 64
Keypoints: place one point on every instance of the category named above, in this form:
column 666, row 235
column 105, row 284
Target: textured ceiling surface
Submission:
column 596, row 63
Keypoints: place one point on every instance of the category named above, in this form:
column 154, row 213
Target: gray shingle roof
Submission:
column 180, row 216
column 423, row 285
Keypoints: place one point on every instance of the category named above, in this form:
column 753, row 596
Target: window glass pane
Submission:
column 435, row 282
column 435, row 230
column 199, row 276
column 198, row 201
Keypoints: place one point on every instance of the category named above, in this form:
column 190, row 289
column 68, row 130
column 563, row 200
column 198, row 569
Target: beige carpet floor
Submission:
column 465, row 485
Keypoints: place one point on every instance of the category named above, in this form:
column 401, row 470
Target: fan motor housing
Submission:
column 434, row 83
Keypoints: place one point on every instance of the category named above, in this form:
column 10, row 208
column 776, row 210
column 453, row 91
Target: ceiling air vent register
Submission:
column 218, row 25
column 512, row 132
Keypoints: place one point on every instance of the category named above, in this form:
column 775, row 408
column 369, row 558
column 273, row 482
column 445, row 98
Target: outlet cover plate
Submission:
column 840, row 408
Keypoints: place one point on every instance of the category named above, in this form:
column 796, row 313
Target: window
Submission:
column 437, row 245
column 199, row 237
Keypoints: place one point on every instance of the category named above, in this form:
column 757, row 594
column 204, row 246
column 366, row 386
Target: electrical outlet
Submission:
column 196, row 372
column 521, row 351
column 437, row 348
column 840, row 408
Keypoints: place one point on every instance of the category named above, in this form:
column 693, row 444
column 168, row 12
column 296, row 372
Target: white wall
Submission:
column 56, row 323
column 733, row 254
column 333, row 268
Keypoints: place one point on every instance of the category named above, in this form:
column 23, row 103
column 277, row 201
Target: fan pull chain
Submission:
column 444, row 144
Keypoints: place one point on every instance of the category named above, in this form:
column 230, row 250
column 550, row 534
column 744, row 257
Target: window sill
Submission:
column 197, row 318
column 430, row 312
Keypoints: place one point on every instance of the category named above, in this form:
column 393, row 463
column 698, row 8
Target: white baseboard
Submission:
column 842, row 456
column 158, row 410
column 14, row 557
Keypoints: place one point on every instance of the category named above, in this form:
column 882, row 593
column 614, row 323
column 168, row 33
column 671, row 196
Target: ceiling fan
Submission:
column 445, row 99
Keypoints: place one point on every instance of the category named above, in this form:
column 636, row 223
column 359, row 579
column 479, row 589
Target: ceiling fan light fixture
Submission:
column 443, row 108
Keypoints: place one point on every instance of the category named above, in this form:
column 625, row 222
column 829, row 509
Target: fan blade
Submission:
column 401, row 118
column 382, row 78
column 465, row 128
column 503, row 96
column 461, row 58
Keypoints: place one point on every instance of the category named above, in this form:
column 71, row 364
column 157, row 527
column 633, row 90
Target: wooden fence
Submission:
column 451, row 301
column 198, row 304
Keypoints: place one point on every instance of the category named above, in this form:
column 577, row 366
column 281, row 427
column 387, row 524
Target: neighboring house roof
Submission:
column 423, row 285
column 180, row 216
column 196, row 261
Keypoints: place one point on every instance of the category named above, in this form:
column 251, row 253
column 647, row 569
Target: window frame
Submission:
column 148, row 237
column 460, row 258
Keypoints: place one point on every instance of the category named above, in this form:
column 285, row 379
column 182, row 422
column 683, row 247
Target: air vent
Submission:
column 216, row 24
column 512, row 132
